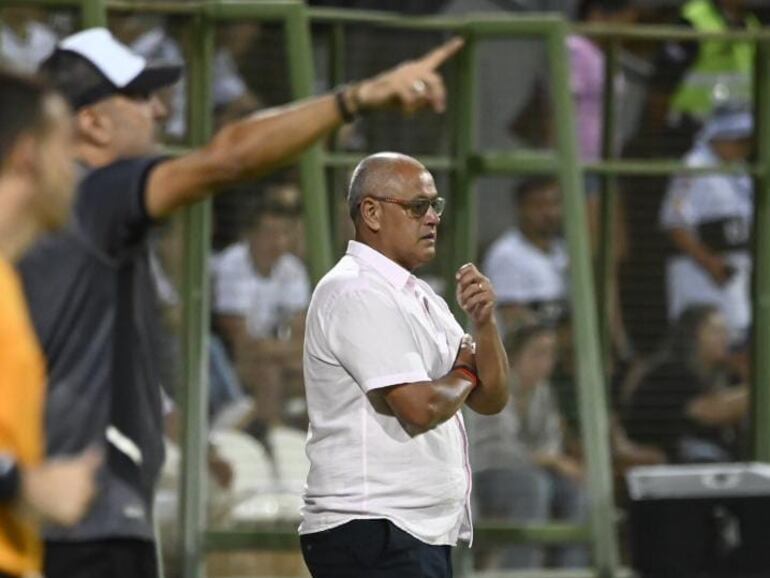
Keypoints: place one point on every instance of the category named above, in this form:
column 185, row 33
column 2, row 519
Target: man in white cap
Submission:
column 90, row 288
column 708, row 219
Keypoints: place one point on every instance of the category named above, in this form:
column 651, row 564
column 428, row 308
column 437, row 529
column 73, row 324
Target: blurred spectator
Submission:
column 693, row 78
column 24, row 40
column 166, row 257
column 521, row 471
column 709, row 219
column 687, row 403
column 261, row 291
column 36, row 181
column 528, row 266
column 150, row 37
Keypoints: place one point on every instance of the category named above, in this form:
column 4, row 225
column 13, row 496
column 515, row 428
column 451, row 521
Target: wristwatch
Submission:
column 468, row 342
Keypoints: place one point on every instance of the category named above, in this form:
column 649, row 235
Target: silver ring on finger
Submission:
column 419, row 87
column 481, row 287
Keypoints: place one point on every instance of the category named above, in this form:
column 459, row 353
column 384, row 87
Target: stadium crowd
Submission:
column 91, row 307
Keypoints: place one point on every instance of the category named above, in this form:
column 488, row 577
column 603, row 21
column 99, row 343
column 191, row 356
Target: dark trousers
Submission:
column 373, row 549
column 119, row 558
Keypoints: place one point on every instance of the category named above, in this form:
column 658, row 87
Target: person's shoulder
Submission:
column 349, row 280
column 232, row 258
column 507, row 244
column 290, row 264
column 121, row 176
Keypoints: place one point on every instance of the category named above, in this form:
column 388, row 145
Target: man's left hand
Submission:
column 475, row 294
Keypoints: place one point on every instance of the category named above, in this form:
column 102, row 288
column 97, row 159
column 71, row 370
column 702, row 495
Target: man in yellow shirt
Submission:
column 36, row 179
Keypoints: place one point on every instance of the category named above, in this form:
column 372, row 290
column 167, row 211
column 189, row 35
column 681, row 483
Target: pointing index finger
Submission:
column 441, row 54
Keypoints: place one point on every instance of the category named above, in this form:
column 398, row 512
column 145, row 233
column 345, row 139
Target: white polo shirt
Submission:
column 524, row 274
column 719, row 210
column 372, row 324
column 264, row 301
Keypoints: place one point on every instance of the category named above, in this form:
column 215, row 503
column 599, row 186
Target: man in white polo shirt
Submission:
column 387, row 371
column 709, row 219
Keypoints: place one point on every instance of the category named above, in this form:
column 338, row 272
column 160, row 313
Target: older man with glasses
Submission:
column 387, row 371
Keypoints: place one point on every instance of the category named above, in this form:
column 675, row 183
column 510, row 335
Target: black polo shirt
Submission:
column 93, row 305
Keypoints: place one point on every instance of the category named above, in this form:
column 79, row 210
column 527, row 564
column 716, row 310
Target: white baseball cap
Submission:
column 91, row 65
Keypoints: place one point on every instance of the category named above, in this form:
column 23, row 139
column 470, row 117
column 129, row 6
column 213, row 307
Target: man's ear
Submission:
column 371, row 214
column 94, row 125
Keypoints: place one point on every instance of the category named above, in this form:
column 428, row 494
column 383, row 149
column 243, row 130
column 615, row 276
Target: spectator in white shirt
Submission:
column 708, row 219
column 387, row 371
column 261, row 291
column 528, row 265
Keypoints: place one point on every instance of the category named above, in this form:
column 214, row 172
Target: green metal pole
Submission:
column 761, row 345
column 195, row 327
column 336, row 178
column 94, row 13
column 462, row 219
column 312, row 179
column 463, row 211
column 592, row 402
column 605, row 277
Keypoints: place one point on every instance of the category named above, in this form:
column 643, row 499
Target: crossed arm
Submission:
column 423, row 405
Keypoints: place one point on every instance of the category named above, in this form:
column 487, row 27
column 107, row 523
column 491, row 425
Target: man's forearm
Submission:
column 492, row 394
column 423, row 405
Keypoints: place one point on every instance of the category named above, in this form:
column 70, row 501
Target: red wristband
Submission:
column 467, row 373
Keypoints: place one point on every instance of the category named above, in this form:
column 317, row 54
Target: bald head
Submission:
column 380, row 174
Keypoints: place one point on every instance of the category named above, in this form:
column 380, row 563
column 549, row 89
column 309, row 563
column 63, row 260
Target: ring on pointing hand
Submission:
column 481, row 287
column 419, row 86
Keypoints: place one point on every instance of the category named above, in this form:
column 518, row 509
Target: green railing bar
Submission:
column 761, row 293
column 652, row 168
column 196, row 319
column 311, row 171
column 272, row 538
column 276, row 10
column 335, row 179
column 590, row 379
column 93, row 12
column 486, row 534
column 605, row 258
column 155, row 7
column 547, row 162
column 47, row 3
column 658, row 33
column 286, row 538
column 514, row 162
column 385, row 19
column 462, row 221
column 347, row 160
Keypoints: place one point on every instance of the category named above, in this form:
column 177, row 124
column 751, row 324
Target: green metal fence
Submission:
column 466, row 164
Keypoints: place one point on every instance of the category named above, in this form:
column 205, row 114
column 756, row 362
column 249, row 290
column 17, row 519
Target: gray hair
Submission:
column 373, row 175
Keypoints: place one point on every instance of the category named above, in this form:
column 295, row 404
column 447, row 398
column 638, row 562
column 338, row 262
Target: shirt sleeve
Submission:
column 678, row 208
column 229, row 296
column 110, row 209
column 371, row 338
column 296, row 289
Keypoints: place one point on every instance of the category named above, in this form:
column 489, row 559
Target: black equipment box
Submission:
column 699, row 521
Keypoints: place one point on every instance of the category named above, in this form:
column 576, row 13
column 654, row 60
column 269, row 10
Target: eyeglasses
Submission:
column 418, row 207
